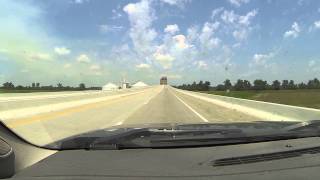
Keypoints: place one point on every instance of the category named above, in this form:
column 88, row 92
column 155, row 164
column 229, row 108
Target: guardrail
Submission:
column 264, row 110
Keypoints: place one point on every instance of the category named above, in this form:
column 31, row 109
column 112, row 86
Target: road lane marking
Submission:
column 51, row 115
column 243, row 109
column 194, row 111
column 29, row 111
column 143, row 104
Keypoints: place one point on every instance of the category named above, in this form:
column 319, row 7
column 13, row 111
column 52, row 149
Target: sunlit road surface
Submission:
column 43, row 120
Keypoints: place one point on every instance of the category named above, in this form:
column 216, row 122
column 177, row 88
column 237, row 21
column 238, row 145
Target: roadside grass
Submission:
column 305, row 98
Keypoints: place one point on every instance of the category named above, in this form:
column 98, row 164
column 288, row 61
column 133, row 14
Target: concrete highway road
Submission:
column 42, row 120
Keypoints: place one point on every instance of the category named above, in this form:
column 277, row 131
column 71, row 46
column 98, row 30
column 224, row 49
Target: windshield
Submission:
column 227, row 69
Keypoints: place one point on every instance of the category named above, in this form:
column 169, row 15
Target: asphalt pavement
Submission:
column 59, row 117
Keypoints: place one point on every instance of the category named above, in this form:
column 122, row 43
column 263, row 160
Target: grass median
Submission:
column 305, row 98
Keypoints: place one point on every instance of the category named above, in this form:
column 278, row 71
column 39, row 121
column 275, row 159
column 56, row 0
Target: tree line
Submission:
column 37, row 86
column 257, row 84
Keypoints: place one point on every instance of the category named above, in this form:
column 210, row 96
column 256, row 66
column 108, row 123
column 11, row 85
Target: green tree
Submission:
column 285, row 84
column 227, row 84
column 246, row 85
column 8, row 85
column 260, row 84
column 276, row 85
column 291, row 85
column 82, row 86
column 59, row 85
column 239, row 85
column 207, row 86
column 314, row 84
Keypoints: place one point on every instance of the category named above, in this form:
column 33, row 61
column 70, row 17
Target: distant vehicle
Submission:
column 163, row 80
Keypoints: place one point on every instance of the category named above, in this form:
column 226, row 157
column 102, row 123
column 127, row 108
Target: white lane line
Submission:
column 194, row 111
column 29, row 111
column 244, row 109
column 138, row 107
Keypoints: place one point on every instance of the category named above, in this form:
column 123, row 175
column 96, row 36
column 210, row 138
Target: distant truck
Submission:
column 163, row 80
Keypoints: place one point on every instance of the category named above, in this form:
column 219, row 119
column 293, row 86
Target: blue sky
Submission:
column 97, row 41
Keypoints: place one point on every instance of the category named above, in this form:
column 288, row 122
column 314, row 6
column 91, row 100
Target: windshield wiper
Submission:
column 181, row 136
column 138, row 138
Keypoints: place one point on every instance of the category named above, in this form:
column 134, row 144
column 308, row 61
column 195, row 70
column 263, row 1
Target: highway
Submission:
column 45, row 118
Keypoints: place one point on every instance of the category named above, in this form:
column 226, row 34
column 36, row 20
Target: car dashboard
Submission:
column 285, row 159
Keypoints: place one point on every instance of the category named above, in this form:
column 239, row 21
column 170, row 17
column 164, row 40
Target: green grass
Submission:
column 304, row 98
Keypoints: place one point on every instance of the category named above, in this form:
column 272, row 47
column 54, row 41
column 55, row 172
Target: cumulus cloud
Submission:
column 164, row 59
column 172, row 28
column 201, row 64
column 313, row 66
column 216, row 11
column 240, row 23
column 293, row 32
column 141, row 16
column 311, row 63
column 104, row 28
column 80, row 1
column 83, row 58
column 179, row 3
column 238, row 3
column 115, row 14
column 206, row 36
column 143, row 66
column 317, row 24
column 261, row 59
column 172, row 76
column 62, row 50
column 180, row 42
column 38, row 56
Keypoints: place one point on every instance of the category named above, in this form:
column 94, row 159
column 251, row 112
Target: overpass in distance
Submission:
column 42, row 118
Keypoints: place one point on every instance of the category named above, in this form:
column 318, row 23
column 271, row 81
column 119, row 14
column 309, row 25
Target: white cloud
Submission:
column 192, row 33
column 180, row 42
column 240, row 34
column 172, row 76
column 246, row 19
column 179, row 3
column 116, row 14
column 67, row 65
column 317, row 24
column 201, row 64
column 172, row 28
column 62, row 50
column 312, row 63
column 39, row 56
column 216, row 11
column 83, row 58
column 239, row 23
column 141, row 16
column 293, row 32
column 95, row 67
column 80, row 1
column 238, row 3
column 143, row 66
column 314, row 66
column 206, row 36
column 261, row 59
column 104, row 28
column 165, row 60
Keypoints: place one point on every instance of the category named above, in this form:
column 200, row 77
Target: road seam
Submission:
column 194, row 111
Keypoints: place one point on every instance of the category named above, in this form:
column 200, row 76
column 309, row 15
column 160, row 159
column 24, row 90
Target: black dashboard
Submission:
column 263, row 161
